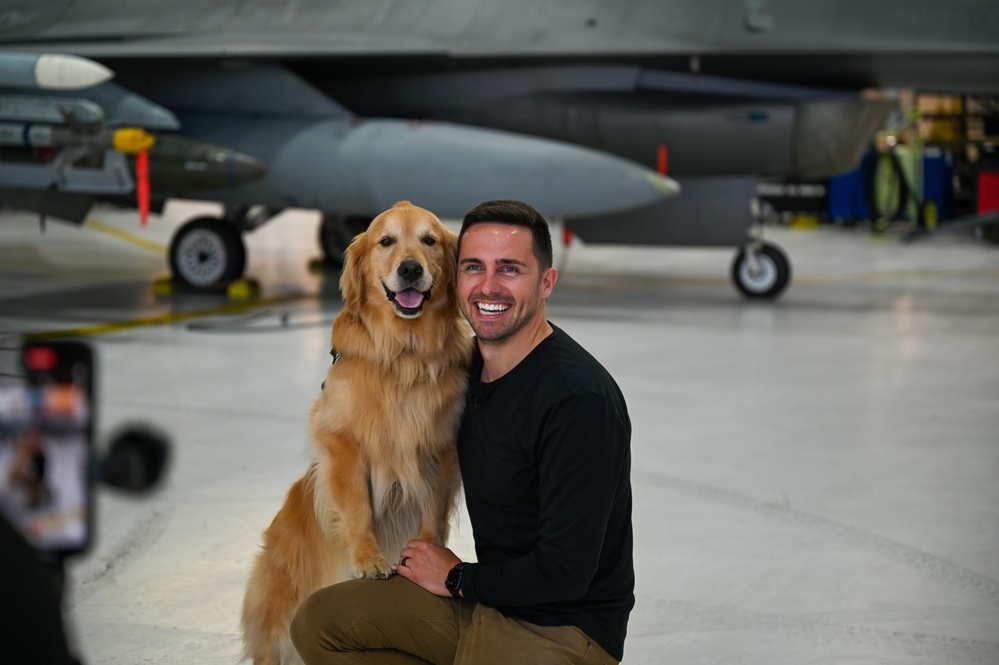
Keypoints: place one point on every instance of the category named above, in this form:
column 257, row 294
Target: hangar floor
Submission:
column 816, row 479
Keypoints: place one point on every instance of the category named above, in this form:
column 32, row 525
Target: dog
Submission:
column 382, row 433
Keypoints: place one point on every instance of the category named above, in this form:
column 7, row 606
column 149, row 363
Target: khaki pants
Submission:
column 395, row 622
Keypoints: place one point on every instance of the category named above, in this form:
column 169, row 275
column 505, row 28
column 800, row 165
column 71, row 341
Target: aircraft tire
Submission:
column 769, row 281
column 886, row 190
column 206, row 252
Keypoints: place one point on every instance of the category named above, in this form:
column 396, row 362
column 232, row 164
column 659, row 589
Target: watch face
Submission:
column 453, row 581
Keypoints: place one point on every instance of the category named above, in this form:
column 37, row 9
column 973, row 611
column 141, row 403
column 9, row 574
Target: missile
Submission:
column 50, row 71
column 31, row 135
column 178, row 162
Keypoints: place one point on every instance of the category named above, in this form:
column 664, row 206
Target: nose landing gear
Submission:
column 761, row 270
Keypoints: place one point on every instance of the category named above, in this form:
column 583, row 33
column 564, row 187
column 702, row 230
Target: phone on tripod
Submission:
column 46, row 442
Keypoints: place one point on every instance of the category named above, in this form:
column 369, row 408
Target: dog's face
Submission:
column 405, row 260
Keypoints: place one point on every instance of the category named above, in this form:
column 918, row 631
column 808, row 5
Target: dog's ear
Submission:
column 352, row 282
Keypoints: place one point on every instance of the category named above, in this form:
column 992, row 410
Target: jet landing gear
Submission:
column 208, row 252
column 761, row 270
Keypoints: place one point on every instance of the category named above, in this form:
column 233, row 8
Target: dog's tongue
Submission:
column 409, row 298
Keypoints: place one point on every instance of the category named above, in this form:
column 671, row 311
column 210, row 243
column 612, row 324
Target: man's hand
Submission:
column 427, row 564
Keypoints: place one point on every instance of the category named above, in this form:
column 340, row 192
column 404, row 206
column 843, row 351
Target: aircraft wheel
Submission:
column 886, row 191
column 206, row 251
column 336, row 232
column 766, row 277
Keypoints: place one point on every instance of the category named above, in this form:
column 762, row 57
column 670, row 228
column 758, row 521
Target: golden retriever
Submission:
column 382, row 432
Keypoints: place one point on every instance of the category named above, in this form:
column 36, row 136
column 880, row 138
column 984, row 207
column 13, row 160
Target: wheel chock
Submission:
column 163, row 287
column 240, row 289
column 243, row 289
column 802, row 222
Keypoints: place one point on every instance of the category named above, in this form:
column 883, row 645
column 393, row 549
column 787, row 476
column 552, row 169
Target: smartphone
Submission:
column 46, row 443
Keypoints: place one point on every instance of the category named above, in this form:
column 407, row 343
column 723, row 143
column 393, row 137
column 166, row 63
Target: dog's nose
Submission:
column 410, row 270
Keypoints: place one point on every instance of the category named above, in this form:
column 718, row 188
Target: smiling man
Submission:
column 504, row 282
column 544, row 448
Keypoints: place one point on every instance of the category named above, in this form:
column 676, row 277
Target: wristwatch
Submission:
column 453, row 581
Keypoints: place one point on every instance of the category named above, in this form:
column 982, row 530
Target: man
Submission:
column 544, row 448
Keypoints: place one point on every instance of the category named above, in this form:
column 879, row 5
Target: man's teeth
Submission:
column 490, row 308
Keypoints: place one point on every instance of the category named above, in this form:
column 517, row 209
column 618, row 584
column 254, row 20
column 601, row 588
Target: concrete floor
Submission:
column 816, row 479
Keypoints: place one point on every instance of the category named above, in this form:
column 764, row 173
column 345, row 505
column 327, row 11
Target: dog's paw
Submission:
column 373, row 568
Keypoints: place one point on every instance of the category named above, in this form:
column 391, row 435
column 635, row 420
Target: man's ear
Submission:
column 548, row 279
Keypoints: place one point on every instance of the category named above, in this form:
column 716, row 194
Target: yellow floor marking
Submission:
column 130, row 238
column 163, row 319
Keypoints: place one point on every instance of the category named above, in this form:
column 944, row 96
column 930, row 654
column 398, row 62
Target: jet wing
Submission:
column 822, row 43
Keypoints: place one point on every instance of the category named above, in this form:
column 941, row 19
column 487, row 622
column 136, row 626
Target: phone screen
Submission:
column 46, row 433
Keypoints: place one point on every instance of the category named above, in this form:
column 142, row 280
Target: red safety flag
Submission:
column 135, row 141
column 142, row 184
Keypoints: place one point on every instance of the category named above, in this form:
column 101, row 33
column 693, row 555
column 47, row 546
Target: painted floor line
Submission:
column 125, row 236
column 163, row 319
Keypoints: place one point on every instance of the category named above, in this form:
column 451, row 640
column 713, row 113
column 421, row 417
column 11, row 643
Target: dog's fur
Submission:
column 382, row 432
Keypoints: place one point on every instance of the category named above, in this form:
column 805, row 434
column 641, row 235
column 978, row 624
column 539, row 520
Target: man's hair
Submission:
column 515, row 213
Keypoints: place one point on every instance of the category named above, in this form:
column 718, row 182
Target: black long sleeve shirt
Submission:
column 545, row 457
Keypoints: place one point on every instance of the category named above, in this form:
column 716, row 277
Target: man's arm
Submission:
column 583, row 458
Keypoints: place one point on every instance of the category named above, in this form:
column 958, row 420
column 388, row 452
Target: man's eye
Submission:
column 387, row 241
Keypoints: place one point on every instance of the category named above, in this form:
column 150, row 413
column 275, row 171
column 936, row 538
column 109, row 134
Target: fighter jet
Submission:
column 587, row 109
